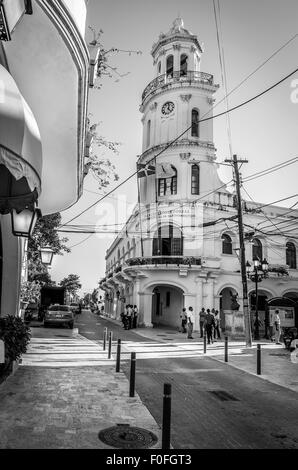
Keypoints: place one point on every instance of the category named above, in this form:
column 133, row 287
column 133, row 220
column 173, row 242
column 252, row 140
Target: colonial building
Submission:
column 44, row 79
column 180, row 245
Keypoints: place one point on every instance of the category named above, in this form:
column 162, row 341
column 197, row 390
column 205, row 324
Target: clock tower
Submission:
column 172, row 105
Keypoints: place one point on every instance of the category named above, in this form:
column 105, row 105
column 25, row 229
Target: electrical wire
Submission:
column 177, row 138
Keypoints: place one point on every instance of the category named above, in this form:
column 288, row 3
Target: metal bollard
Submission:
column 258, row 359
column 132, row 374
column 110, row 345
column 105, row 333
column 166, row 417
column 118, row 356
column 205, row 343
column 226, row 348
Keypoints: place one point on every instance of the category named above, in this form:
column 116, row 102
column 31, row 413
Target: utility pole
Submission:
column 246, row 314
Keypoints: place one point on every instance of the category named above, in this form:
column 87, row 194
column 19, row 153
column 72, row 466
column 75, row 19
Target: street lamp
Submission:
column 46, row 254
column 256, row 273
column 23, row 222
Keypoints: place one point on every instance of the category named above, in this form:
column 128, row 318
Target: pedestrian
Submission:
column 190, row 322
column 183, row 317
column 135, row 316
column 209, row 325
column 129, row 316
column 277, row 326
column 216, row 325
column 202, row 315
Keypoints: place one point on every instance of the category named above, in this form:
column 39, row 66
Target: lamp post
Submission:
column 256, row 273
column 46, row 254
column 23, row 222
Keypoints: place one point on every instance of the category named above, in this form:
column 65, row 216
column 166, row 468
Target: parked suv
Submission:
column 59, row 315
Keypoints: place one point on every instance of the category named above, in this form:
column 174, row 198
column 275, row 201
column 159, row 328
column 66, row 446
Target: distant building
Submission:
column 180, row 246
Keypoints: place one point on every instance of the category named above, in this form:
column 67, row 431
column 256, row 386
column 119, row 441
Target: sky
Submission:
column 264, row 132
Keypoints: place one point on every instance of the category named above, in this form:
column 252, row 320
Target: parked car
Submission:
column 75, row 308
column 59, row 315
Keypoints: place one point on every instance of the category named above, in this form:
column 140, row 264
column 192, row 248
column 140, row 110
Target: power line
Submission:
column 177, row 138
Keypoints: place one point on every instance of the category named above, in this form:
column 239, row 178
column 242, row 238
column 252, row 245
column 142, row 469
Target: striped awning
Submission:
column 20, row 149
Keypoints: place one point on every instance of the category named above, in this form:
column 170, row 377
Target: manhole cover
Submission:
column 223, row 395
column 124, row 436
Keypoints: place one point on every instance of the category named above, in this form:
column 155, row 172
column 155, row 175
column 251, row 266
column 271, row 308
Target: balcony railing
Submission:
column 174, row 77
column 155, row 260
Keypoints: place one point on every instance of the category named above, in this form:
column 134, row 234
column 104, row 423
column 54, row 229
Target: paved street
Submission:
column 214, row 405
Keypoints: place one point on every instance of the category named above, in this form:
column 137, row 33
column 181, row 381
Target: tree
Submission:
column 71, row 283
column 44, row 234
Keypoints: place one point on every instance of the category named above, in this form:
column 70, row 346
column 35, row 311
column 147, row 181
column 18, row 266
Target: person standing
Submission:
column 202, row 315
column 135, row 316
column 209, row 325
column 129, row 316
column 183, row 317
column 216, row 325
column 277, row 326
column 190, row 323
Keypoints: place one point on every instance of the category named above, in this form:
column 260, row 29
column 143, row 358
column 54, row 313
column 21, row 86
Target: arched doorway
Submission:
column 167, row 304
column 263, row 297
column 228, row 304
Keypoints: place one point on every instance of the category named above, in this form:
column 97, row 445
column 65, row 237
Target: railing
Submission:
column 166, row 79
column 155, row 260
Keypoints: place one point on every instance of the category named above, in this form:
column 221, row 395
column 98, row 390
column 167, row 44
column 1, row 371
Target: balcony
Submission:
column 165, row 260
column 177, row 77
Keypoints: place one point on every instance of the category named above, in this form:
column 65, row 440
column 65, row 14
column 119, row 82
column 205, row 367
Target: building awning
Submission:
column 20, row 149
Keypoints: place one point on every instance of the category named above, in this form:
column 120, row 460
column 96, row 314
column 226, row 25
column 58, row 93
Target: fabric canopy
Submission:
column 20, row 149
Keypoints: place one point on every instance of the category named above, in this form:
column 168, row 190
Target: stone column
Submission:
column 145, row 309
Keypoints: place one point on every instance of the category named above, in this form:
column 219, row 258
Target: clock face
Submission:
column 168, row 107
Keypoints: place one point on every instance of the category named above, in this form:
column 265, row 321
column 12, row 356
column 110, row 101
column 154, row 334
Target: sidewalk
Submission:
column 276, row 364
column 60, row 399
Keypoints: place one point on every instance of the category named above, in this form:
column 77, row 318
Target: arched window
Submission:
column 148, row 133
column 123, row 251
column 183, row 65
column 168, row 241
column 159, row 68
column 128, row 246
column 118, row 254
column 291, row 255
column 257, row 249
column 170, row 66
column 168, row 186
column 227, row 248
column 195, row 123
column 195, row 179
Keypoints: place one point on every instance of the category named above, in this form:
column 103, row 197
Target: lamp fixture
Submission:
column 23, row 222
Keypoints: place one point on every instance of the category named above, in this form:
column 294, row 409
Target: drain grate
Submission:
column 223, row 395
column 124, row 436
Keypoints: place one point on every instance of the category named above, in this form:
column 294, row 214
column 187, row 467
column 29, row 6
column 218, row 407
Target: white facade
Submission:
column 176, row 250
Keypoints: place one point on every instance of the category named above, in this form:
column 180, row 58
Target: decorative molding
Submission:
column 185, row 156
column 162, row 52
column 153, row 106
column 193, row 48
column 210, row 100
column 177, row 47
column 185, row 98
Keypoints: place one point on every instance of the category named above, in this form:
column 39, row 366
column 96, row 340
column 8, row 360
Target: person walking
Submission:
column 183, row 317
column 129, row 316
column 216, row 325
column 209, row 325
column 277, row 326
column 135, row 316
column 202, row 315
column 190, row 323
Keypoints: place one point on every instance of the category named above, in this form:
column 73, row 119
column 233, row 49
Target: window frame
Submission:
column 195, row 131
column 291, row 255
column 227, row 244
column 195, row 180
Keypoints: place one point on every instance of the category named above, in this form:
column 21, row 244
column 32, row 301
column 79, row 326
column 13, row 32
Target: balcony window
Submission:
column 257, row 249
column 195, row 179
column 194, row 123
column 227, row 248
column 168, row 186
column 183, row 65
column 168, row 241
column 291, row 255
column 170, row 66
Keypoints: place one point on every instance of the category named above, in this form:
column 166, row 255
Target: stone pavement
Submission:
column 67, row 399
